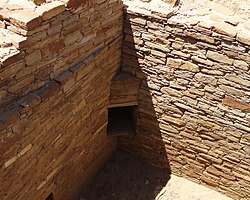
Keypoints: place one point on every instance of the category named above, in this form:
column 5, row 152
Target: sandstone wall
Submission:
column 56, row 70
column 194, row 97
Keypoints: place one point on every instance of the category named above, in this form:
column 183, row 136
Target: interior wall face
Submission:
column 53, row 122
column 194, row 98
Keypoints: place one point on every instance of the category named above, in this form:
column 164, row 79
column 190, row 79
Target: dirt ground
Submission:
column 125, row 178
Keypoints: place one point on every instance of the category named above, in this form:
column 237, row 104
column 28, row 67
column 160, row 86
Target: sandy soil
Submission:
column 125, row 178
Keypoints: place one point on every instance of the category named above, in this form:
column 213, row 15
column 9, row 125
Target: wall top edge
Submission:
column 27, row 15
column 23, row 18
column 211, row 16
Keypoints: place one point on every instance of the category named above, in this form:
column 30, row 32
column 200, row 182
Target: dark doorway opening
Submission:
column 122, row 121
column 50, row 197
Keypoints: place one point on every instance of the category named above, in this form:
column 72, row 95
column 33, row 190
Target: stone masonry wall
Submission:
column 194, row 99
column 40, row 42
column 55, row 76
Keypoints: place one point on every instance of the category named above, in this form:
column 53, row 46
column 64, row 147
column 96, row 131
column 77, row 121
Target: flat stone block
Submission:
column 49, row 10
column 25, row 19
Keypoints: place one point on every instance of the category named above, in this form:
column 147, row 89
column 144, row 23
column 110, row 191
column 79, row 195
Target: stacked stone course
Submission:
column 40, row 43
column 57, row 62
column 195, row 80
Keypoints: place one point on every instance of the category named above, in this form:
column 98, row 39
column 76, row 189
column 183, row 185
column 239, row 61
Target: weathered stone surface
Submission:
column 51, row 9
column 26, row 20
column 232, row 90
column 202, row 61
column 241, row 64
column 201, row 37
column 33, row 57
column 236, row 104
column 219, row 57
column 238, row 79
column 21, row 84
column 48, row 90
column 243, row 37
column 73, row 3
column 179, row 64
column 171, row 91
column 174, row 121
column 205, row 78
column 224, row 28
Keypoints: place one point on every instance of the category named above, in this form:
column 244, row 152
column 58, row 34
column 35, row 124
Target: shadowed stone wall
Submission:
column 194, row 96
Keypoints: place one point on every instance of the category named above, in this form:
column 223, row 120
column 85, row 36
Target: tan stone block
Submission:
column 202, row 61
column 56, row 46
column 189, row 67
column 79, row 107
column 236, row 104
column 241, row 64
column 189, row 136
column 200, row 36
column 11, row 70
column 160, row 47
column 241, row 176
column 9, row 116
column 25, row 71
column 238, row 79
column 136, row 20
column 33, row 57
column 243, row 37
column 21, row 84
column 72, row 38
column 155, row 60
column 208, row 124
column 10, row 162
column 26, row 20
column 183, row 65
column 49, row 90
column 67, row 80
column 18, row 30
column 49, row 10
column 219, row 57
column 175, row 121
column 74, row 3
column 158, row 53
column 180, row 54
column 212, row 72
column 170, row 108
column 225, row 29
column 168, row 128
column 232, row 90
column 25, row 150
column 242, row 127
column 171, row 92
column 174, row 62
